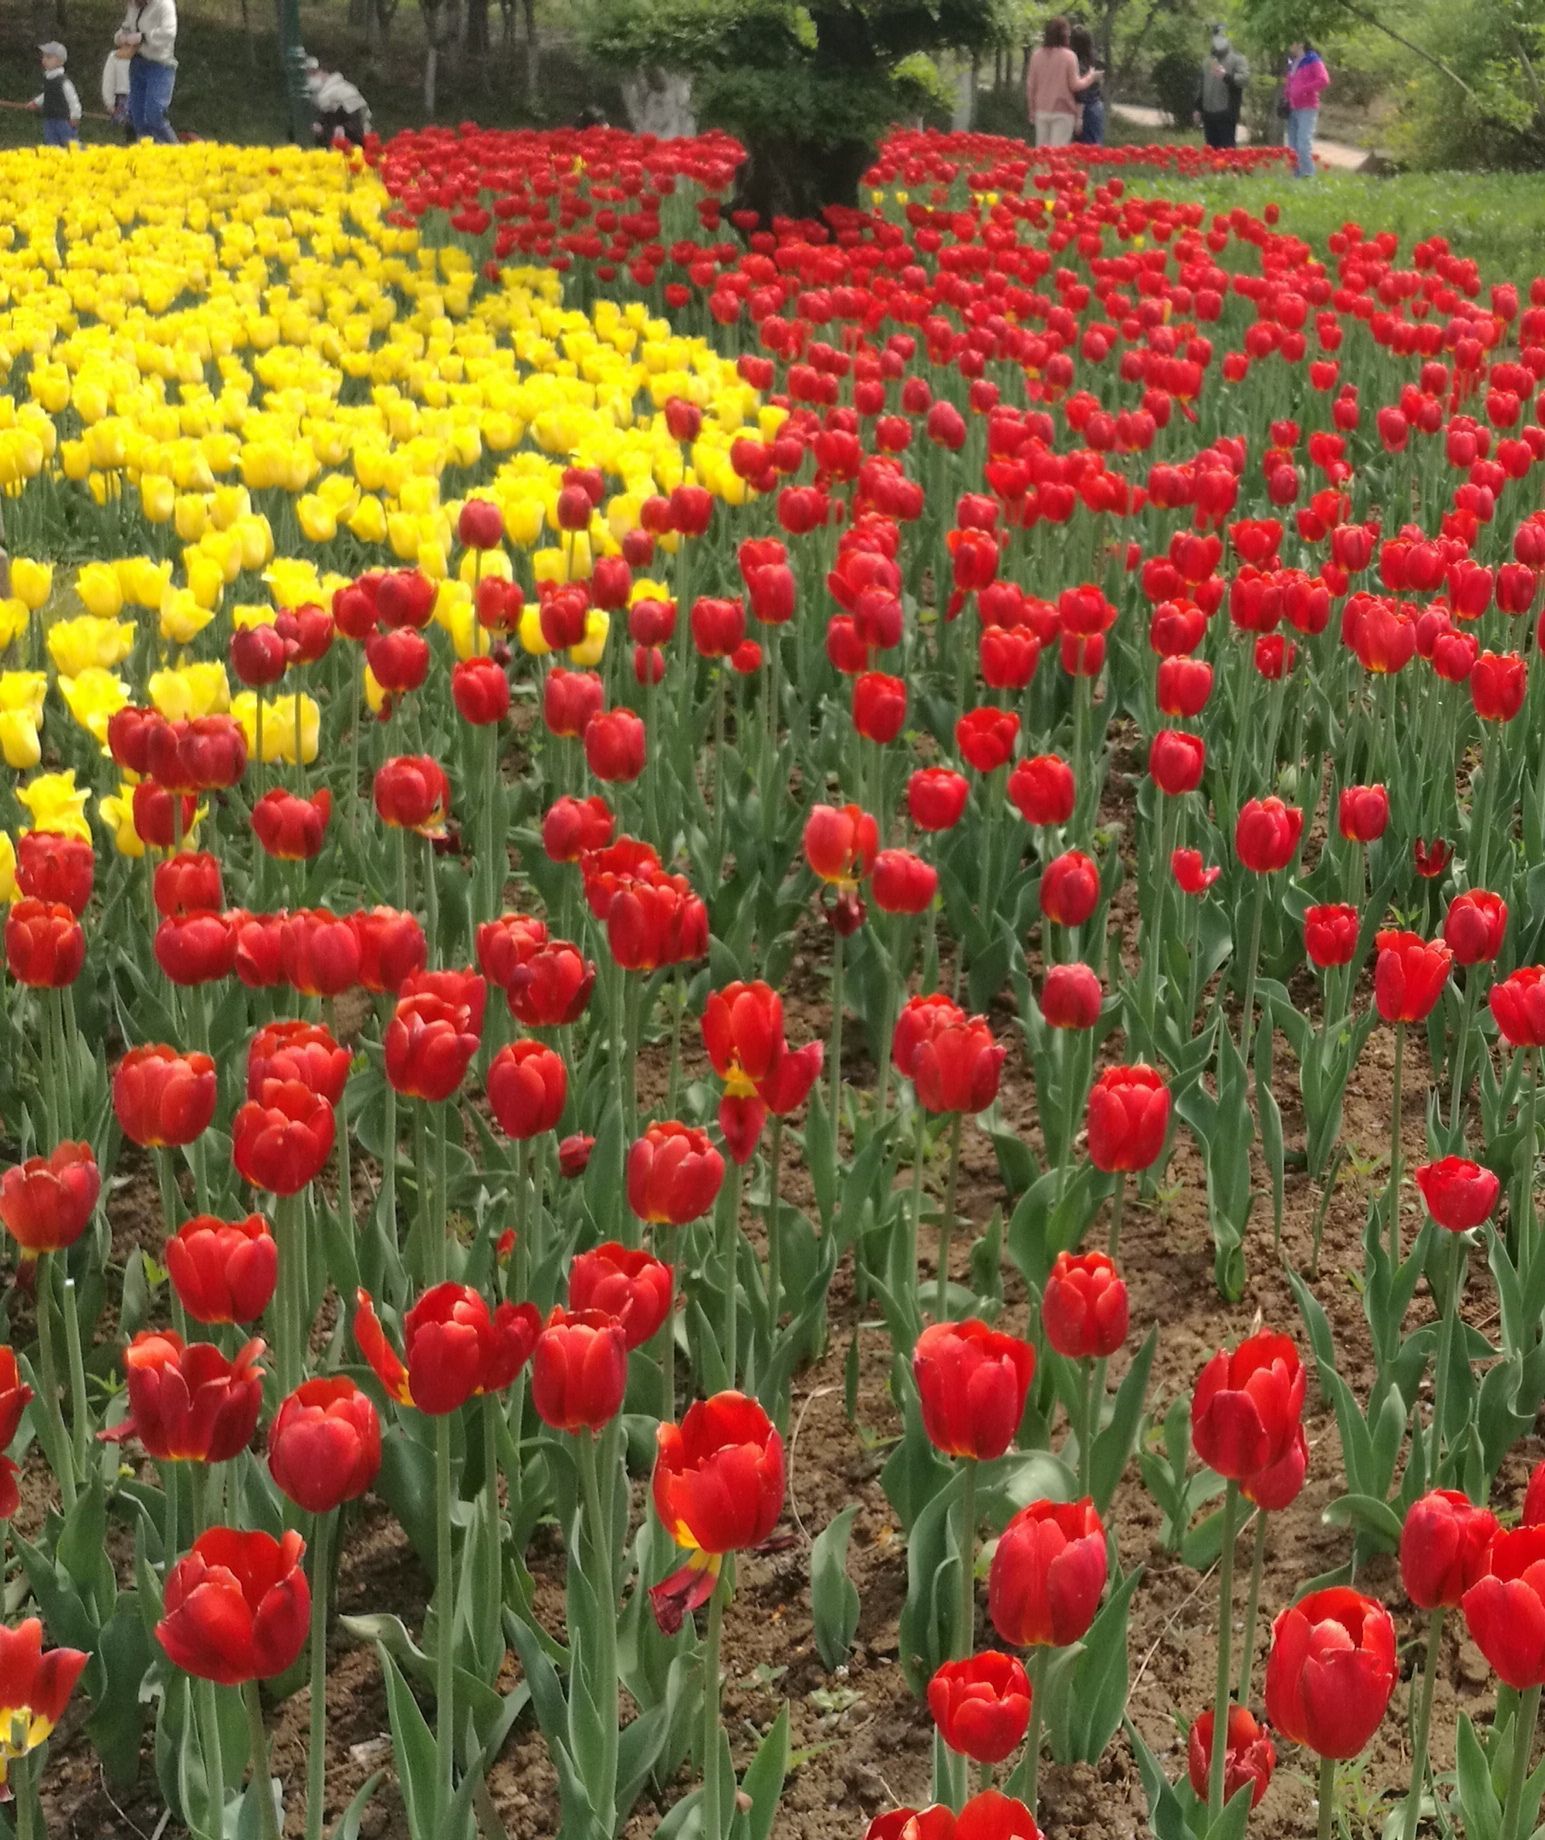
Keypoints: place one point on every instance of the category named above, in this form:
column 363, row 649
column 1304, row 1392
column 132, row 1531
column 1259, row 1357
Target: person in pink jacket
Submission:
column 1053, row 87
column 1306, row 81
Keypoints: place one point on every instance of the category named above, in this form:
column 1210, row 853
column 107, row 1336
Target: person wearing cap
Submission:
column 149, row 33
column 1225, row 72
column 57, row 101
column 337, row 106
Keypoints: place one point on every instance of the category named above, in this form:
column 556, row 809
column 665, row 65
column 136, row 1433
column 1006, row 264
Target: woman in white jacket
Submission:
column 149, row 31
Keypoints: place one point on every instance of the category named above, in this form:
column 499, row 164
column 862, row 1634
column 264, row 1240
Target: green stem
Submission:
column 1220, row 1701
column 1252, row 1607
column 1038, row 1659
column 965, row 1625
column 1457, row 1079
column 1247, row 1019
column 493, row 1600
column 836, row 1044
column 1118, row 1208
column 262, row 1778
column 1413, row 1807
column 1088, row 1424
column 1455, row 1275
column 80, row 1420
column 1392, row 1202
column 1327, row 1795
column 947, row 1221
column 316, row 1753
column 26, row 1797
column 50, row 1370
column 713, row 1796
column 1067, row 1055
column 445, row 1626
column 602, row 1688
column 214, row 1756
column 1523, row 1744
column 729, row 1250
column 774, row 1248
column 915, row 1209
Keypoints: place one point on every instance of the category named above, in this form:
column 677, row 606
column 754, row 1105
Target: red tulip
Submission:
column 479, row 524
column 44, row 945
column 1408, row 975
column 281, row 1139
column 1518, row 1007
column 1175, row 761
column 56, row 870
column 1497, row 685
column 1071, row 996
column 1330, row 933
column 1247, row 1405
column 550, row 986
column 1070, row 888
column 1084, row 1309
column 1127, row 1119
column 161, row 818
column 971, row 1385
column 673, row 1174
column 1042, row 789
column 163, row 1097
column 413, row 794
column 579, row 1370
column 656, row 921
column 1445, row 1547
column 1459, row 1194
column 190, row 1403
column 223, row 1271
column 1267, row 834
column 46, row 1201
column 1331, row 1671
column 15, row 1397
column 290, row 828
column 392, row 948
column 429, row 1045
column 981, row 1705
column 1505, row 1608
column 1362, row 813
column 569, row 700
column 985, row 738
column 303, row 1051
column 454, row 1347
column 1277, row 1486
column 186, row 884
column 936, row 796
column 1249, row 1755
column 35, row 1688
column 573, row 827
column 196, row 948
column 718, row 1475
column 527, row 1087
column 322, row 953
column 1047, row 1574
column 616, row 745
column 1474, row 926
column 625, row 1283
column 840, row 843
column 986, row 1816
column 237, row 1607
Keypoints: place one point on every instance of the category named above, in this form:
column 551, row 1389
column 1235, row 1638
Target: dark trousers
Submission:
column 1220, row 130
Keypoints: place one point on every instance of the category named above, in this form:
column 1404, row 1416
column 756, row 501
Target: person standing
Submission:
column 149, row 31
column 1054, row 87
column 1225, row 72
column 115, row 89
column 1091, row 122
column 1307, row 81
column 57, row 101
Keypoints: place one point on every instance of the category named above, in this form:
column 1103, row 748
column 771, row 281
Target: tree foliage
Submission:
column 809, row 88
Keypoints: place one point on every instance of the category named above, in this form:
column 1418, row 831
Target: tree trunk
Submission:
column 792, row 178
column 474, row 35
column 533, row 57
column 976, row 77
column 246, row 32
column 431, row 12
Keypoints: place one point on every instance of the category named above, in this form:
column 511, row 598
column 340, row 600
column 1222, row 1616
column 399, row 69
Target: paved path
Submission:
column 1335, row 154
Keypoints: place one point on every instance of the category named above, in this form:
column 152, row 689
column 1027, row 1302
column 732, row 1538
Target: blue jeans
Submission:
column 1091, row 129
column 1300, row 138
column 150, row 96
column 58, row 133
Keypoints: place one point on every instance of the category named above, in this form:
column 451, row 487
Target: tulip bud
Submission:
column 1445, row 1547
column 579, row 1371
column 981, row 1705
column 1084, row 1309
column 237, row 1607
column 1048, row 1574
column 971, row 1385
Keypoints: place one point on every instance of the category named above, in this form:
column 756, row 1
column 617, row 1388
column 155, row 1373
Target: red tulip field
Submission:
column 773, row 1005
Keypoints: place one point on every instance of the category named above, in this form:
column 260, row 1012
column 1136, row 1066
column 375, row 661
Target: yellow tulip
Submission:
column 531, row 636
column 116, row 810
column 57, row 804
column 20, row 743
column 87, row 640
column 97, row 585
column 189, row 690
column 31, row 582
column 590, row 649
column 13, row 621
column 93, row 699
column 7, row 868
column 279, row 726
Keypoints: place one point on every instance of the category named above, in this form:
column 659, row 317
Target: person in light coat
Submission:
column 149, row 33
column 115, row 88
column 337, row 106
